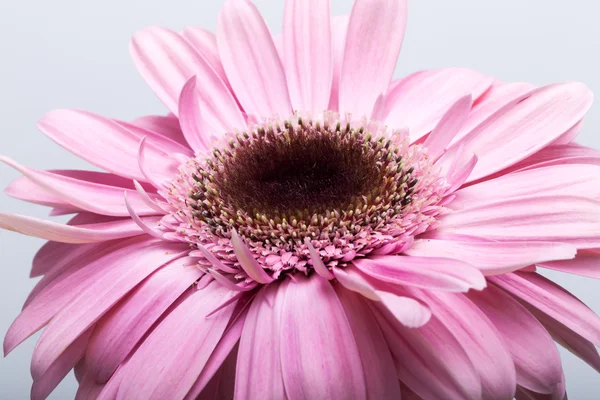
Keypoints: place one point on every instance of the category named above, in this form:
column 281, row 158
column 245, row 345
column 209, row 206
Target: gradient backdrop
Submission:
column 68, row 53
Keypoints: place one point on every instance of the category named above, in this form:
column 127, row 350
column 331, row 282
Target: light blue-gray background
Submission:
column 69, row 53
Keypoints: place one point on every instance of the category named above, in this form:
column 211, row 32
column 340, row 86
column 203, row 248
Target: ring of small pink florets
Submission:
column 399, row 201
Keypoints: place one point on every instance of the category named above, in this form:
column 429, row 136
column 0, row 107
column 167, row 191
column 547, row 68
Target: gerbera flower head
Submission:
column 302, row 226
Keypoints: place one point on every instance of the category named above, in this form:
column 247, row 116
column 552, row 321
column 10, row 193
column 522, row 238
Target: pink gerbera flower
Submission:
column 303, row 227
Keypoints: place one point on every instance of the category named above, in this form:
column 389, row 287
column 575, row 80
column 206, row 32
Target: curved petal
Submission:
column 307, row 53
column 167, row 126
column 493, row 258
column 205, row 42
column 373, row 42
column 196, row 337
column 251, row 61
column 533, row 351
column 319, row 356
column 192, row 125
column 428, row 273
column 25, row 189
column 161, row 141
column 448, row 127
column 247, row 260
column 585, row 263
column 166, row 61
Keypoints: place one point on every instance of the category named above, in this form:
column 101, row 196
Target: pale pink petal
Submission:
column 493, row 258
column 566, row 219
column 586, row 263
column 42, row 388
column 259, row 373
column 429, row 360
column 205, row 43
column 98, row 140
column 119, row 331
column 419, row 103
column 448, row 127
column 307, row 53
column 524, row 126
column 196, row 337
column 167, row 126
column 339, row 28
column 408, row 311
column 423, row 272
column 25, row 189
column 85, row 195
column 158, row 174
column 377, row 363
column 556, row 155
column 319, row 356
column 373, row 42
column 192, row 124
column 247, row 260
column 164, row 143
column 486, row 349
column 552, row 300
column 251, row 61
column 574, row 179
column 49, row 230
column 166, row 61
column 533, row 351
column 98, row 297
column 462, row 166
column 570, row 135
column 147, row 199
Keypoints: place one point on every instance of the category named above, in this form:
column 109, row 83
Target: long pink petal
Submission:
column 98, row 297
column 251, row 61
column 555, row 155
column 566, row 219
column 377, row 363
column 42, row 388
column 164, row 143
column 448, row 127
column 574, row 179
column 420, row 102
column 319, row 356
column 167, row 126
column 486, row 349
column 25, row 189
column 307, row 53
column 428, row 273
column 586, row 263
column 259, row 373
column 71, row 234
column 493, row 258
column 533, row 351
column 429, row 360
column 339, row 28
column 55, row 255
column 205, row 42
column 98, row 140
column 196, row 336
column 525, row 126
column 192, row 124
column 373, row 42
column 247, row 260
column 552, row 300
column 118, row 332
column 406, row 310
column 85, row 195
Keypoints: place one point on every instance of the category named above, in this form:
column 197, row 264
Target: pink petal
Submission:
column 552, row 300
column 168, row 126
column 162, row 142
column 319, row 356
column 247, row 260
column 408, row 311
column 85, row 195
column 525, row 126
column 493, row 258
column 259, row 373
column 586, row 263
column 166, row 61
column 318, row 264
column 429, row 360
column 557, row 155
column 98, row 140
column 448, row 127
column 566, row 219
column 251, row 60
column 49, row 230
column 533, row 351
column 119, row 331
column 98, row 297
column 88, row 389
column 205, row 43
column 42, row 388
column 481, row 340
column 192, row 125
column 307, row 53
column 373, row 42
column 420, row 103
column 428, row 273
column 24, row 189
column 196, row 337
column 570, row 135
column 339, row 28
column 377, row 363
column 55, row 255
column 574, row 179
